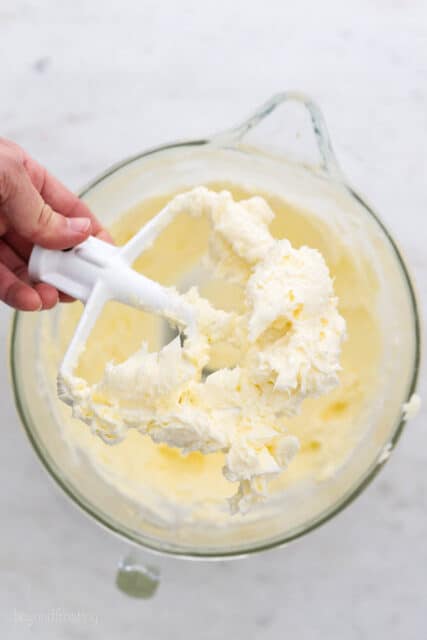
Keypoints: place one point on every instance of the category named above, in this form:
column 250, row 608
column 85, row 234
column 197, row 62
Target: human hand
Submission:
column 35, row 208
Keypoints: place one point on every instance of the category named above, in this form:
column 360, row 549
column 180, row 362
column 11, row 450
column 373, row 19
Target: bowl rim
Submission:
column 208, row 553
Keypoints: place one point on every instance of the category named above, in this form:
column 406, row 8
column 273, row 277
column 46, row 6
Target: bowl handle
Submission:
column 290, row 125
column 135, row 578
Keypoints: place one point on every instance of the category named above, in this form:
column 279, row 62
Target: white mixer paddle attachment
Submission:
column 95, row 272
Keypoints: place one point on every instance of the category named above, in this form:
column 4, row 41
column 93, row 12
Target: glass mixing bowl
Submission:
column 283, row 149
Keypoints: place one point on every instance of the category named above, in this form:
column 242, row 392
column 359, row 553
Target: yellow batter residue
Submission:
column 328, row 428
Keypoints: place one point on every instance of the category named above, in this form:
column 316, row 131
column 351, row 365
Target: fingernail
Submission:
column 79, row 225
column 105, row 236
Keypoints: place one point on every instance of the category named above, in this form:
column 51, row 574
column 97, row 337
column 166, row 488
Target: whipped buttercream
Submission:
column 288, row 338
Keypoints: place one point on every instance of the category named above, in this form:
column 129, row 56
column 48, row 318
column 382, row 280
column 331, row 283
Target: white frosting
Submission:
column 289, row 337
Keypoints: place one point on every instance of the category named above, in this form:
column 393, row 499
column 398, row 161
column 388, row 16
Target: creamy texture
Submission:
column 286, row 341
column 176, row 488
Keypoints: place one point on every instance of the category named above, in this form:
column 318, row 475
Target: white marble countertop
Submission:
column 84, row 84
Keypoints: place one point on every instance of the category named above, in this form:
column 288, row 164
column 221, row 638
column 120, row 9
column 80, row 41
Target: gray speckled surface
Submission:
column 84, row 84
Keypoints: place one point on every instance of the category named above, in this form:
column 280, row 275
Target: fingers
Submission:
column 48, row 294
column 16, row 293
column 105, row 236
column 62, row 199
column 35, row 208
column 64, row 297
column 58, row 196
column 24, row 210
column 23, row 249
column 21, row 246
column 15, row 284
column 53, row 231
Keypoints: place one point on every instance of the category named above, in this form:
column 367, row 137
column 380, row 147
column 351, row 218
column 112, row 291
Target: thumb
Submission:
column 24, row 210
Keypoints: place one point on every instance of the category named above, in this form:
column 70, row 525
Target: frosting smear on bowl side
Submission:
column 287, row 339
